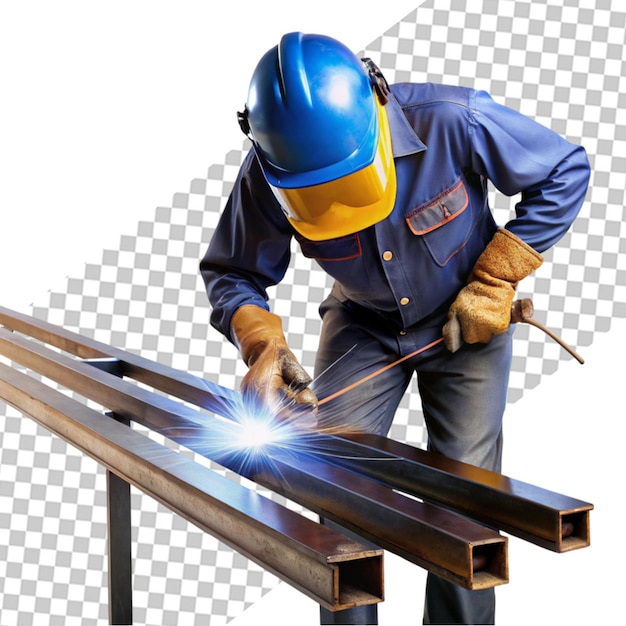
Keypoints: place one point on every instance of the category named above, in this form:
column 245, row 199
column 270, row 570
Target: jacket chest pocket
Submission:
column 444, row 222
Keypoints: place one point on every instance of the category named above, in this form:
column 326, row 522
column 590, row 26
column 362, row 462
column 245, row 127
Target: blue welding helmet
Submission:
column 315, row 114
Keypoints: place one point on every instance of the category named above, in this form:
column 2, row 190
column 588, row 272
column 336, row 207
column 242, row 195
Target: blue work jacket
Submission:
column 447, row 142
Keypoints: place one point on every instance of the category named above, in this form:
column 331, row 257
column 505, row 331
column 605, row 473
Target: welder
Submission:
column 386, row 187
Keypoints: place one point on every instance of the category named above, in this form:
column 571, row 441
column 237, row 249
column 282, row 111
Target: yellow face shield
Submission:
column 349, row 204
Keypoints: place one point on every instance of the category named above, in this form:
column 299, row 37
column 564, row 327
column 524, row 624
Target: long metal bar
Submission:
column 441, row 541
column 543, row 517
column 330, row 568
column 183, row 385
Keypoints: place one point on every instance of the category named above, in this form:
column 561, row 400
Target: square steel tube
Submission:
column 546, row 518
column 332, row 569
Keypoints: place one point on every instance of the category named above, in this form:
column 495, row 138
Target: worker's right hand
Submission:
column 483, row 307
column 275, row 377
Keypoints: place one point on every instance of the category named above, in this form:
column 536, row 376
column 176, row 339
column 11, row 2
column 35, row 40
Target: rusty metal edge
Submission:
column 135, row 403
column 321, row 563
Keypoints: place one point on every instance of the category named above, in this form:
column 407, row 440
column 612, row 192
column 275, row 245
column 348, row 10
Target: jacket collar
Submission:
column 404, row 140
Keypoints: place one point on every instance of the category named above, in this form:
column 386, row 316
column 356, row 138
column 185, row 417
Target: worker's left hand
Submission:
column 483, row 307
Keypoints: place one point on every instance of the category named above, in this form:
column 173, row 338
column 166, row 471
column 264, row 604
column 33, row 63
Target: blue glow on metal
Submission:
column 244, row 435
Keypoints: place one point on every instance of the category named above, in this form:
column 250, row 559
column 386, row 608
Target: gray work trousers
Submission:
column 463, row 397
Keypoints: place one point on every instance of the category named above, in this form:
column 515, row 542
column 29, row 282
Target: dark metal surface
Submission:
column 119, row 545
column 543, row 517
column 441, row 541
column 447, row 544
column 119, row 530
column 333, row 570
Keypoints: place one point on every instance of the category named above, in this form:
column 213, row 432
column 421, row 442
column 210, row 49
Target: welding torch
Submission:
column 521, row 311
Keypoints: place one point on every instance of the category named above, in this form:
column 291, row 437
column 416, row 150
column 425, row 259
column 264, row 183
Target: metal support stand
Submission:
column 119, row 532
column 120, row 558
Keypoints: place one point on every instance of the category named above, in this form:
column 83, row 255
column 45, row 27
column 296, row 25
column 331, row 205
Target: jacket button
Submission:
column 404, row 301
column 387, row 255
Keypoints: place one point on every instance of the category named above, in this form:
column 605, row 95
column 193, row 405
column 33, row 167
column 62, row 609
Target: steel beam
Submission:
column 543, row 517
column 444, row 542
column 328, row 567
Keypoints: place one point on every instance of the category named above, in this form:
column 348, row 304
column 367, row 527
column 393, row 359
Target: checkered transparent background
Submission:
column 558, row 61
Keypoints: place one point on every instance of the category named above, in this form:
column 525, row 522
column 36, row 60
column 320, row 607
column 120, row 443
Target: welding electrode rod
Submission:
column 521, row 311
column 406, row 357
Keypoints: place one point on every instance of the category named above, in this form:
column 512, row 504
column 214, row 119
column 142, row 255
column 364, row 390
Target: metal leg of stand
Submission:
column 118, row 525
column 120, row 548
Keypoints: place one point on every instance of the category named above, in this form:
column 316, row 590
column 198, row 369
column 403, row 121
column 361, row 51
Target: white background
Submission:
column 109, row 108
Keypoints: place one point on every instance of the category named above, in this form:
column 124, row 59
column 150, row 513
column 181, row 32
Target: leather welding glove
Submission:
column 275, row 377
column 483, row 307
